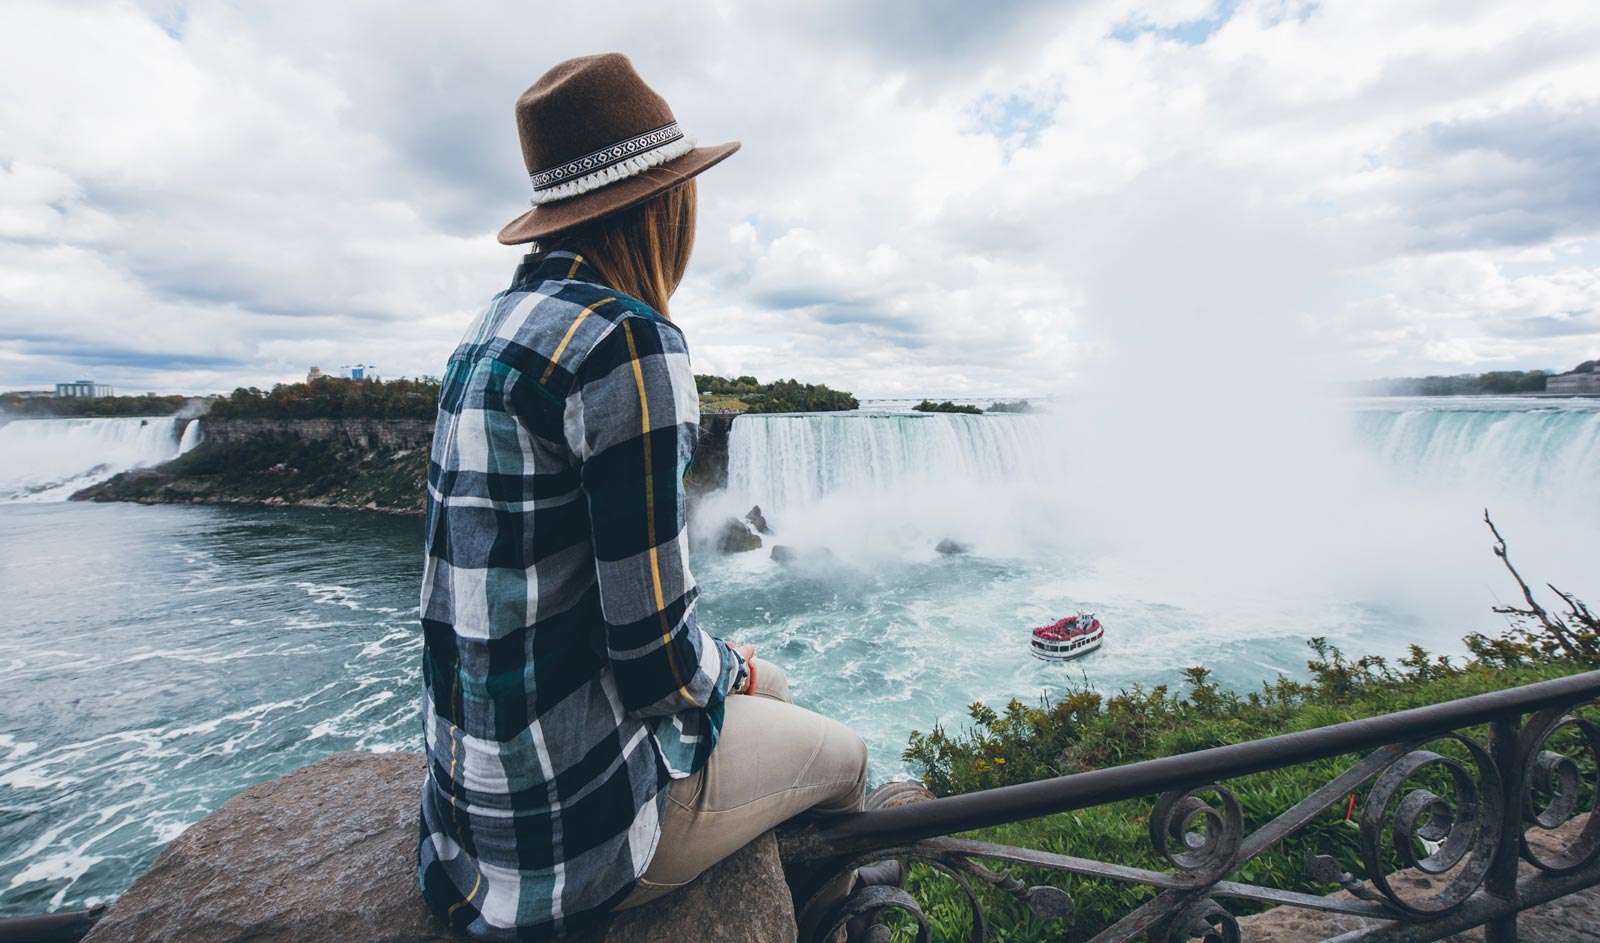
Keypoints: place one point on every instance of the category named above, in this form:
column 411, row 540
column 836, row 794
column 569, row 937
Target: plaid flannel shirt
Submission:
column 566, row 681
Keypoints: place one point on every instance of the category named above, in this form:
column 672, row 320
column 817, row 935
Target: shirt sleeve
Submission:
column 633, row 420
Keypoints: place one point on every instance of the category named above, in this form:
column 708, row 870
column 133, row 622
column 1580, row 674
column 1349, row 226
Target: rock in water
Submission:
column 948, row 546
column 758, row 520
column 328, row 853
column 737, row 537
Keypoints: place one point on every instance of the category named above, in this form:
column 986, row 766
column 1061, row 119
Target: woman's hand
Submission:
column 748, row 653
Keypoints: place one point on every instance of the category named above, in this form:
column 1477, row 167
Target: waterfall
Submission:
column 788, row 461
column 191, row 436
column 1550, row 454
column 49, row 459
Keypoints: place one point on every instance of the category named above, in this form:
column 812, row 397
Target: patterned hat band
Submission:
column 616, row 162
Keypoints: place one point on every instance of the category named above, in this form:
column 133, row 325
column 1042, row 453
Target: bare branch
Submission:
column 1580, row 611
column 1555, row 627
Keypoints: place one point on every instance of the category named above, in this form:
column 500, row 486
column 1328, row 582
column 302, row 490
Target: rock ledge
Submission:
column 328, row 852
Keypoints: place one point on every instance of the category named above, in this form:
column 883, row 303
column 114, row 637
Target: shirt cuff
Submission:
column 741, row 670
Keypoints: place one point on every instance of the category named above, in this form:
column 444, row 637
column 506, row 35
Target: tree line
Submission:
column 747, row 394
column 89, row 407
column 1494, row 383
column 333, row 398
column 1017, row 406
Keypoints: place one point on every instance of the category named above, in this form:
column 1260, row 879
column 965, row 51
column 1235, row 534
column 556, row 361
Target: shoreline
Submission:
column 309, row 504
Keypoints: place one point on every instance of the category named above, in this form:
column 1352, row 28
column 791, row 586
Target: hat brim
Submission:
column 551, row 218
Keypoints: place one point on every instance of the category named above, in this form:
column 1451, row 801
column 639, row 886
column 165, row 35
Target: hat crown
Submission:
column 584, row 105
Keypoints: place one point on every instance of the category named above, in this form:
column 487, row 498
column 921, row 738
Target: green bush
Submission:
column 780, row 396
column 929, row 406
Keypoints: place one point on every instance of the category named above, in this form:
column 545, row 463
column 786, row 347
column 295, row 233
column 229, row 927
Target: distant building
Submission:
column 313, row 373
column 85, row 388
column 1573, row 383
column 30, row 394
column 361, row 371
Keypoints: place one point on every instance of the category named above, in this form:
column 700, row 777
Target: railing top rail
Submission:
column 882, row 828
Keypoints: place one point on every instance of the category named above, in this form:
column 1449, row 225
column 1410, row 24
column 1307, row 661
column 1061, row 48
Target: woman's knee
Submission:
column 771, row 681
column 842, row 759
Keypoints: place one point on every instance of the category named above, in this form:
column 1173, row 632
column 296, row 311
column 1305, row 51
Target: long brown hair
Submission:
column 643, row 251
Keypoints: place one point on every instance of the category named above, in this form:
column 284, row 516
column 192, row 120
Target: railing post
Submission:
column 1505, row 749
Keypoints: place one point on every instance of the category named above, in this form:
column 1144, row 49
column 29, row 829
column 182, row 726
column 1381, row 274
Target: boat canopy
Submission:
column 1070, row 627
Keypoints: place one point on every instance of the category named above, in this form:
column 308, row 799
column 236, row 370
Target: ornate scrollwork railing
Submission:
column 1469, row 806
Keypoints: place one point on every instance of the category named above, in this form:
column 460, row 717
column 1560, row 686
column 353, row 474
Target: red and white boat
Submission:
column 1072, row 637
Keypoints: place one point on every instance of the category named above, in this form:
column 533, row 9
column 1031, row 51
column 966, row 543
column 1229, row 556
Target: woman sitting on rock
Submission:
column 590, row 747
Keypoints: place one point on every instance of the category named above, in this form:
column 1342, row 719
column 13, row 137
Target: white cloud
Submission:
column 204, row 195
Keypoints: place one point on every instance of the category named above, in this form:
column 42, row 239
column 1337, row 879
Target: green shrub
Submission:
column 929, row 406
column 746, row 394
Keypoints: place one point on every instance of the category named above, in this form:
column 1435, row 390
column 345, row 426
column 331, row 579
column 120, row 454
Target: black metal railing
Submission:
column 1471, row 837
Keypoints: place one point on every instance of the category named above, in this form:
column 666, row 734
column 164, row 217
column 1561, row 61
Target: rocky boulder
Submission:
column 328, row 853
column 951, row 547
column 737, row 536
column 758, row 520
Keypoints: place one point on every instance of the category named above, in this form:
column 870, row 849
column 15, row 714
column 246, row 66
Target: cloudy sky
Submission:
column 196, row 196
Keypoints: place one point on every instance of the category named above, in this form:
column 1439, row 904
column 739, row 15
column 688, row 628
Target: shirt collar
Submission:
column 555, row 265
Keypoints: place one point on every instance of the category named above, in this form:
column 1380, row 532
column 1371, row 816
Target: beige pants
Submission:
column 772, row 762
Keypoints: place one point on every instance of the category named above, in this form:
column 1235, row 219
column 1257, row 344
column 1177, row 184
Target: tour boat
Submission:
column 1072, row 637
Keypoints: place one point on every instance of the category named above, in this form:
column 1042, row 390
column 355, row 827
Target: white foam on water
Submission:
column 66, row 865
column 332, row 595
column 253, row 714
column 16, row 748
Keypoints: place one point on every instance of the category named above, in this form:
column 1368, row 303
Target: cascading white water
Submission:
column 791, row 461
column 1534, row 449
column 49, row 459
column 191, row 436
column 1550, row 454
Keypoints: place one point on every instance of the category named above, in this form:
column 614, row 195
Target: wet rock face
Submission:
column 374, row 434
column 709, row 470
column 758, row 520
column 328, row 853
column 738, row 536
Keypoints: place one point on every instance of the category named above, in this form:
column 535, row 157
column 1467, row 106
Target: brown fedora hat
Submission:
column 597, row 141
